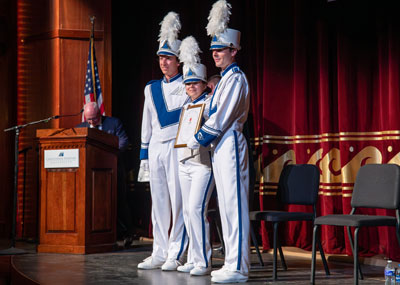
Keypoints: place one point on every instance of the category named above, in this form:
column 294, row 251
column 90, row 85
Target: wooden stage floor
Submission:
column 120, row 267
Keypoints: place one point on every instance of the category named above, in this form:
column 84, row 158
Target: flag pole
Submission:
column 92, row 19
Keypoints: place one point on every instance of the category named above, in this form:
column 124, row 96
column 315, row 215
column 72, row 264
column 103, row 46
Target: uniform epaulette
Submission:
column 236, row 69
column 151, row 82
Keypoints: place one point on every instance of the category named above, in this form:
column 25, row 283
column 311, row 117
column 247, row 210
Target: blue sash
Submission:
column 166, row 118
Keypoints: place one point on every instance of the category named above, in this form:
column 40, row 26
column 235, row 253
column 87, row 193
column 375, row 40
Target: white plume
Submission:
column 218, row 18
column 189, row 51
column 170, row 27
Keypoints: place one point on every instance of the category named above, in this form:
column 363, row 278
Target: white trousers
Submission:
column 166, row 200
column 231, row 169
column 197, row 184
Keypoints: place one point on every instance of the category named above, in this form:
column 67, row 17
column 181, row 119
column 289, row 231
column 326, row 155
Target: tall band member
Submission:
column 223, row 130
column 195, row 172
column 162, row 107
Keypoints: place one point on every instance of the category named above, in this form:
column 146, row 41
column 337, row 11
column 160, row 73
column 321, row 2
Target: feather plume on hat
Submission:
column 170, row 27
column 218, row 18
column 193, row 70
column 189, row 51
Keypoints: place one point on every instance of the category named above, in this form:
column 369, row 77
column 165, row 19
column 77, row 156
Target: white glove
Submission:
column 144, row 171
column 144, row 163
column 193, row 143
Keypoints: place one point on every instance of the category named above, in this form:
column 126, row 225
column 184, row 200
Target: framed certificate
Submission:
column 189, row 124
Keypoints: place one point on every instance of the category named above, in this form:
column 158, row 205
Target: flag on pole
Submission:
column 92, row 83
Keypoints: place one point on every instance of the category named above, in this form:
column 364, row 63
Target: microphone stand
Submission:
column 13, row 250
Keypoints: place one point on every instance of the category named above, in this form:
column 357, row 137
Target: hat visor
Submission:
column 189, row 80
column 163, row 52
column 218, row 46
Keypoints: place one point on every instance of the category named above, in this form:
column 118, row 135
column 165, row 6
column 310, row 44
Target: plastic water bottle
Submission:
column 390, row 277
column 398, row 275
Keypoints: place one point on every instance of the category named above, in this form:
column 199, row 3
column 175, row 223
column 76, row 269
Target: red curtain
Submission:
column 324, row 78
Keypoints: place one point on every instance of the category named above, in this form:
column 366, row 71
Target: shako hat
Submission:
column 217, row 27
column 168, row 37
column 193, row 70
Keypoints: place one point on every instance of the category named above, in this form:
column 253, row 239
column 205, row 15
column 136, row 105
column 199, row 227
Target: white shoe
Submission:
column 230, row 277
column 171, row 265
column 150, row 263
column 185, row 268
column 200, row 270
column 219, row 271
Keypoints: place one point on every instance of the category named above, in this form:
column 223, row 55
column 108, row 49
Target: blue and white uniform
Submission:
column 162, row 108
column 223, row 131
column 197, row 183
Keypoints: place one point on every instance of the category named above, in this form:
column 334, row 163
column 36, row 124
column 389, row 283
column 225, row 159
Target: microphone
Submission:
column 67, row 115
column 18, row 127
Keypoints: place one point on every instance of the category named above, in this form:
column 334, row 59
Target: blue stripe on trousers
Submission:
column 238, row 200
column 182, row 243
column 203, row 227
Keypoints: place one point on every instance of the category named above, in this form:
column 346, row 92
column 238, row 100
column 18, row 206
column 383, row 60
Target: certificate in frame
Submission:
column 189, row 124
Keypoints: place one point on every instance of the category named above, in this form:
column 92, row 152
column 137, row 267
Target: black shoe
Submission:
column 128, row 241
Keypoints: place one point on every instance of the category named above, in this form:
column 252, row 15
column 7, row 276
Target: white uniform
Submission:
column 223, row 130
column 197, row 183
column 162, row 107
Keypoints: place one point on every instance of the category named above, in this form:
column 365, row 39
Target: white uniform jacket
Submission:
column 161, row 113
column 201, row 155
column 228, row 107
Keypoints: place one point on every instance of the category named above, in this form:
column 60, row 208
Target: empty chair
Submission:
column 299, row 185
column 376, row 186
column 215, row 223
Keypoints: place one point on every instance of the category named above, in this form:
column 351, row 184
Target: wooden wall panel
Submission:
column 41, row 14
column 74, row 17
column 43, row 81
column 74, row 14
column 37, row 84
column 73, row 61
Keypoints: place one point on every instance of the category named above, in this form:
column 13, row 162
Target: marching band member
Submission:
column 195, row 172
column 159, row 163
column 223, row 131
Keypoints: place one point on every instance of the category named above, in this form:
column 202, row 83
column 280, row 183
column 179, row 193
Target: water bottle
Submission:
column 398, row 275
column 389, row 273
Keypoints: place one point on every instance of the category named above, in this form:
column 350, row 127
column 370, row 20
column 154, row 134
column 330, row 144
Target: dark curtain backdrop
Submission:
column 325, row 91
column 324, row 78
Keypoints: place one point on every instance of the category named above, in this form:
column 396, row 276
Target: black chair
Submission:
column 376, row 186
column 299, row 185
column 215, row 223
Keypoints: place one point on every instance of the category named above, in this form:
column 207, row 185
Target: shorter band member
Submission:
column 195, row 172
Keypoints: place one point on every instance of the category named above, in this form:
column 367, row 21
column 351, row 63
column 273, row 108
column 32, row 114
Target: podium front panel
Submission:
column 60, row 201
column 102, row 200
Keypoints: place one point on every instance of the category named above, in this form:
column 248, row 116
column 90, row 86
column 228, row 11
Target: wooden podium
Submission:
column 78, row 184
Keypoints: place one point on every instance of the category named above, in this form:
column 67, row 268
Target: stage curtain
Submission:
column 324, row 78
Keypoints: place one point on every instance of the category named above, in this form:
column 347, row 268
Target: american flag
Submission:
column 92, row 83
